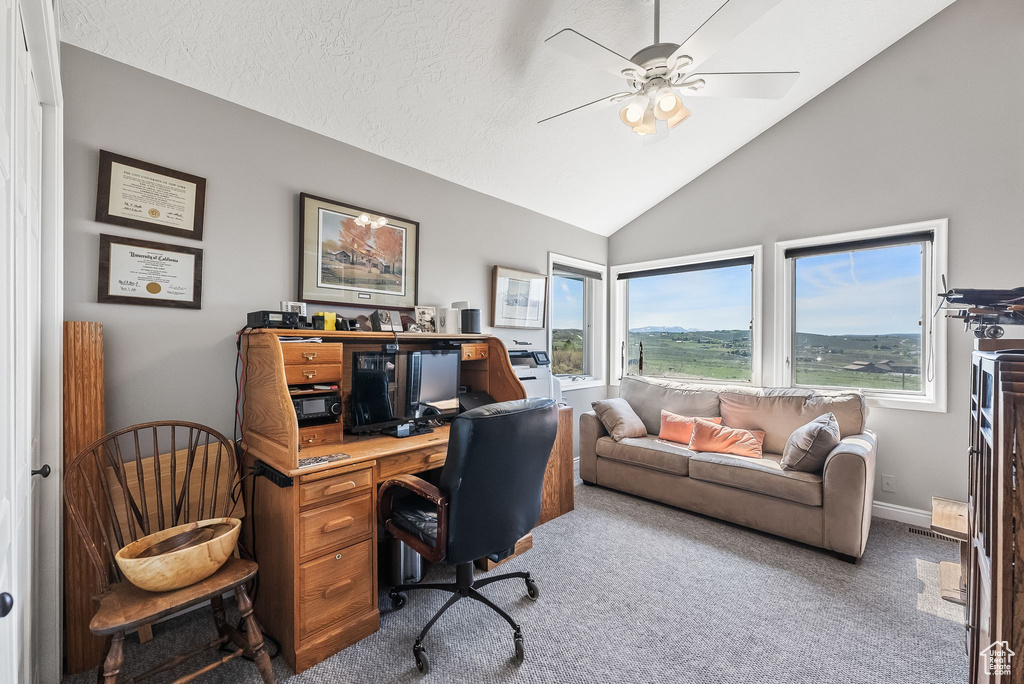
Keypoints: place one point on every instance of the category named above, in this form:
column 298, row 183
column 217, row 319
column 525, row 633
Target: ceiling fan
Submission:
column 658, row 74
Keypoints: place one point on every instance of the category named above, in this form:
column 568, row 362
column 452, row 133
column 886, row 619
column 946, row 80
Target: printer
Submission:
column 533, row 368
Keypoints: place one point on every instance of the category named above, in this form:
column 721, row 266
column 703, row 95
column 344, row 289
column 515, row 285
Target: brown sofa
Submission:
column 830, row 509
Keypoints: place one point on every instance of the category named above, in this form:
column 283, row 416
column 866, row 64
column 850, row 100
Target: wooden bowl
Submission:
column 179, row 556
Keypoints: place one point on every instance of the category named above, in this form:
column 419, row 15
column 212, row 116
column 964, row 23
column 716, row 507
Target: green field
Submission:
column 709, row 355
column 567, row 351
column 819, row 359
column 725, row 355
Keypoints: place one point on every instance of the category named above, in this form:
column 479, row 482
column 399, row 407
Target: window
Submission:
column 858, row 312
column 576, row 316
column 692, row 318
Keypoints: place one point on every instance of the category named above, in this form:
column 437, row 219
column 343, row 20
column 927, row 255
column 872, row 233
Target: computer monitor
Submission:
column 391, row 388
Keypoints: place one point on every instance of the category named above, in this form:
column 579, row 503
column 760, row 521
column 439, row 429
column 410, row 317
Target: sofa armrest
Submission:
column 848, row 494
column 591, row 430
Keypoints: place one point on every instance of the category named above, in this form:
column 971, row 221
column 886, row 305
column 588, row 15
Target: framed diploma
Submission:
column 137, row 194
column 150, row 273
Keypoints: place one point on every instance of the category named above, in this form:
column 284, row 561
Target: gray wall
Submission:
column 166, row 363
column 930, row 128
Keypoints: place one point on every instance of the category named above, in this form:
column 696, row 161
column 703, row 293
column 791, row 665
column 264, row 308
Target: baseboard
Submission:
column 904, row 514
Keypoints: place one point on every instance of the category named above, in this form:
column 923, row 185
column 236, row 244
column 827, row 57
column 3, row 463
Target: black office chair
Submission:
column 489, row 498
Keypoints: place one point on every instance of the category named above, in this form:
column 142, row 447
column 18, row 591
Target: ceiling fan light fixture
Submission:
column 668, row 103
column 633, row 113
column 678, row 117
column 649, row 124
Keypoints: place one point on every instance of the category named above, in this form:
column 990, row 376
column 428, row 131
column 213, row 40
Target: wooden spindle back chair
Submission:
column 144, row 479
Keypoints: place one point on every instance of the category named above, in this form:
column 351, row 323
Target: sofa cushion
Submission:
column 708, row 436
column 781, row 411
column 619, row 419
column 679, row 429
column 647, row 452
column 764, row 476
column 810, row 444
column 648, row 396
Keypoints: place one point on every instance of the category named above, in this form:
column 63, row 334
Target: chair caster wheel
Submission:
column 532, row 590
column 398, row 599
column 520, row 650
column 422, row 662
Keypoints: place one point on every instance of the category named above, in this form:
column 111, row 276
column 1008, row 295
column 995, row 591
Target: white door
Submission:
column 20, row 345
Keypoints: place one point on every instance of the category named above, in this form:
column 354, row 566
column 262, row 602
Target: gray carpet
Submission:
column 632, row 591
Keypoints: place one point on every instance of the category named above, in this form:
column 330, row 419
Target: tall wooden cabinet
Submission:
column 995, row 572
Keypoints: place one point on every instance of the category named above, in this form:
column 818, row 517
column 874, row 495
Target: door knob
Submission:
column 44, row 471
column 6, row 603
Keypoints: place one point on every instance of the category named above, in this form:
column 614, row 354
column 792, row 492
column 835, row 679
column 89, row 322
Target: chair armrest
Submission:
column 411, row 483
column 422, row 488
column 848, row 493
column 591, row 430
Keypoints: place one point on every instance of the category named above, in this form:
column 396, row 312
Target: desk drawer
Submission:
column 333, row 487
column 319, row 434
column 337, row 587
column 411, row 462
column 311, row 353
column 474, row 352
column 328, row 526
column 311, row 373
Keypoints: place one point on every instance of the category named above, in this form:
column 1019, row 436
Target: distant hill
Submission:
column 663, row 328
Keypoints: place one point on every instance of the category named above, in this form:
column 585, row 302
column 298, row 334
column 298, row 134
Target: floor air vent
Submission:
column 929, row 533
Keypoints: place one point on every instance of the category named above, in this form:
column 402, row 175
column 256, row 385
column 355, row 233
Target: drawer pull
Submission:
column 309, row 374
column 309, row 356
column 331, row 592
column 340, row 487
column 338, row 524
column 311, row 438
column 468, row 354
column 434, row 458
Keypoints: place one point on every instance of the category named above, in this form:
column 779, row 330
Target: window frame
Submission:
column 620, row 309
column 594, row 321
column 933, row 333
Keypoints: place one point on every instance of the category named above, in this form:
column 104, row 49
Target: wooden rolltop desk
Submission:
column 312, row 526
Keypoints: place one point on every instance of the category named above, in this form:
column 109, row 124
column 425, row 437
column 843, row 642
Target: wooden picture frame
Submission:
column 344, row 261
column 152, row 274
column 519, row 299
column 137, row 194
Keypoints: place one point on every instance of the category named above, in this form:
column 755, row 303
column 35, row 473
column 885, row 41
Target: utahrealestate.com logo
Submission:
column 997, row 658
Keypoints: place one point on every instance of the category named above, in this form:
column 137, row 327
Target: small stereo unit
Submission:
column 319, row 406
column 274, row 319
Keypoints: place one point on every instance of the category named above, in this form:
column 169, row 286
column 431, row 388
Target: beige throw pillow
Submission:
column 619, row 418
column 809, row 445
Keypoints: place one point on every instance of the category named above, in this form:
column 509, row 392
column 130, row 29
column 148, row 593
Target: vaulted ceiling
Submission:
column 456, row 87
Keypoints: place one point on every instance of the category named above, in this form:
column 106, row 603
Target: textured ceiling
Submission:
column 455, row 87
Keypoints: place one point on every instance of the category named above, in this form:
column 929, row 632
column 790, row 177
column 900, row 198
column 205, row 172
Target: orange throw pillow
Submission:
column 708, row 436
column 676, row 428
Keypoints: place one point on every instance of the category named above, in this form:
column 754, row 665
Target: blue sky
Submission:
column 716, row 299
column 567, row 303
column 869, row 292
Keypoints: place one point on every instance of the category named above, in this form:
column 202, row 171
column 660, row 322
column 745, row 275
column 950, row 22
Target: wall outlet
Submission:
column 888, row 483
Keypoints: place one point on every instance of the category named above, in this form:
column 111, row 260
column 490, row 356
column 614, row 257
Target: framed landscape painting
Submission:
column 520, row 298
column 356, row 257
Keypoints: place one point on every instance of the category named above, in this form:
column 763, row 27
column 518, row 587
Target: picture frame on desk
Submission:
column 353, row 256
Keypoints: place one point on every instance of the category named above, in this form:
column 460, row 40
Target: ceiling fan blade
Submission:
column 767, row 85
column 721, row 27
column 579, row 46
column 607, row 100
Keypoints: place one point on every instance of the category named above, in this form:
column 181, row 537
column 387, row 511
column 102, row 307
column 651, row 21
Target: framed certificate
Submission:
column 149, row 273
column 137, row 194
